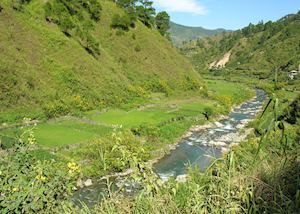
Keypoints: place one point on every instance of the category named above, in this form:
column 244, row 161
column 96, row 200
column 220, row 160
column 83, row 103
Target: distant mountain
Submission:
column 256, row 49
column 181, row 33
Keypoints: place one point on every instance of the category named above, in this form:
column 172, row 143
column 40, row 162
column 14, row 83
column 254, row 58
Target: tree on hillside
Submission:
column 18, row 4
column 146, row 12
column 93, row 7
column 121, row 22
column 76, row 19
column 126, row 3
column 162, row 21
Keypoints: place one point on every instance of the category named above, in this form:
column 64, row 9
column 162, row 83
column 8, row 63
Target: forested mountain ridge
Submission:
column 58, row 57
column 256, row 49
column 181, row 34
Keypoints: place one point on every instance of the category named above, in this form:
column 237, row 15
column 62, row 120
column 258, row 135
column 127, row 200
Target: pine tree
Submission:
column 162, row 21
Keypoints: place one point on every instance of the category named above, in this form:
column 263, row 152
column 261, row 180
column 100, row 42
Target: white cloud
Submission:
column 183, row 6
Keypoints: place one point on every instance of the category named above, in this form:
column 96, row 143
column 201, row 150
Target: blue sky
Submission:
column 228, row 14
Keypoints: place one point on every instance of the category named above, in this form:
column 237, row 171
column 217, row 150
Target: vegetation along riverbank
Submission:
column 94, row 88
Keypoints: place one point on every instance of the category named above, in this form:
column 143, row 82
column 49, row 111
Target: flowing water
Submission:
column 202, row 147
column 197, row 150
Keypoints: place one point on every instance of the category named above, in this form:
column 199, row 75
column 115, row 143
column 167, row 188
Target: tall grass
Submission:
column 255, row 177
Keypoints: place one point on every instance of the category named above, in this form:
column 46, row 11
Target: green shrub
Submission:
column 31, row 186
column 138, row 91
column 133, row 36
column 7, row 142
column 191, row 84
column 208, row 112
column 56, row 109
column 226, row 101
column 120, row 151
column 146, row 130
column 19, row 4
column 158, row 85
column 137, row 48
column 122, row 22
column 71, row 17
column 120, row 32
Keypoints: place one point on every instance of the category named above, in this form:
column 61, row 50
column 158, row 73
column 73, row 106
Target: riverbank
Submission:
column 249, row 177
column 245, row 112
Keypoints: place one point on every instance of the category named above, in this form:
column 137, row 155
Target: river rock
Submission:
column 188, row 134
column 225, row 150
column 228, row 137
column 219, row 125
column 181, row 178
column 240, row 126
column 88, row 182
column 212, row 132
column 245, row 121
column 80, row 183
column 217, row 143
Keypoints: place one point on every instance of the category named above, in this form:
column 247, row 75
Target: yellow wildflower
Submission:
column 15, row 189
column 41, row 177
column 73, row 167
column 31, row 139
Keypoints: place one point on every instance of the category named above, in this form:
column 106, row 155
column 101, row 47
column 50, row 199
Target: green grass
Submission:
column 70, row 132
column 238, row 92
column 173, row 107
column 152, row 116
column 158, row 113
column 52, row 69
column 63, row 133
column 132, row 118
column 254, row 177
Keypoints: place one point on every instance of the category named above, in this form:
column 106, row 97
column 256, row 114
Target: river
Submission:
column 199, row 149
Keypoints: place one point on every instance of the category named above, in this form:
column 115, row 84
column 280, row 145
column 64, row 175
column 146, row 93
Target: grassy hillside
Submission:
column 257, row 49
column 181, row 34
column 48, row 73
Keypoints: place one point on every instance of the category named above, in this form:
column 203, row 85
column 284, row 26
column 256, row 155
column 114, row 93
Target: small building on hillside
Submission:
column 294, row 73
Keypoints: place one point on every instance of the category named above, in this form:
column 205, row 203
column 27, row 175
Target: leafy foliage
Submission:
column 162, row 21
column 65, row 68
column 146, row 12
column 19, row 4
column 28, row 185
column 122, row 22
column 76, row 19
column 118, row 152
column 208, row 112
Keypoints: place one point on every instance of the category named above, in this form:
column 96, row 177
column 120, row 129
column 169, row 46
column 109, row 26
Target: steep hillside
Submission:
column 180, row 33
column 257, row 49
column 45, row 69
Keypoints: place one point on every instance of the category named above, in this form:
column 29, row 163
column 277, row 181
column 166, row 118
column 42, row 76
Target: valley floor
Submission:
column 258, row 175
column 168, row 117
